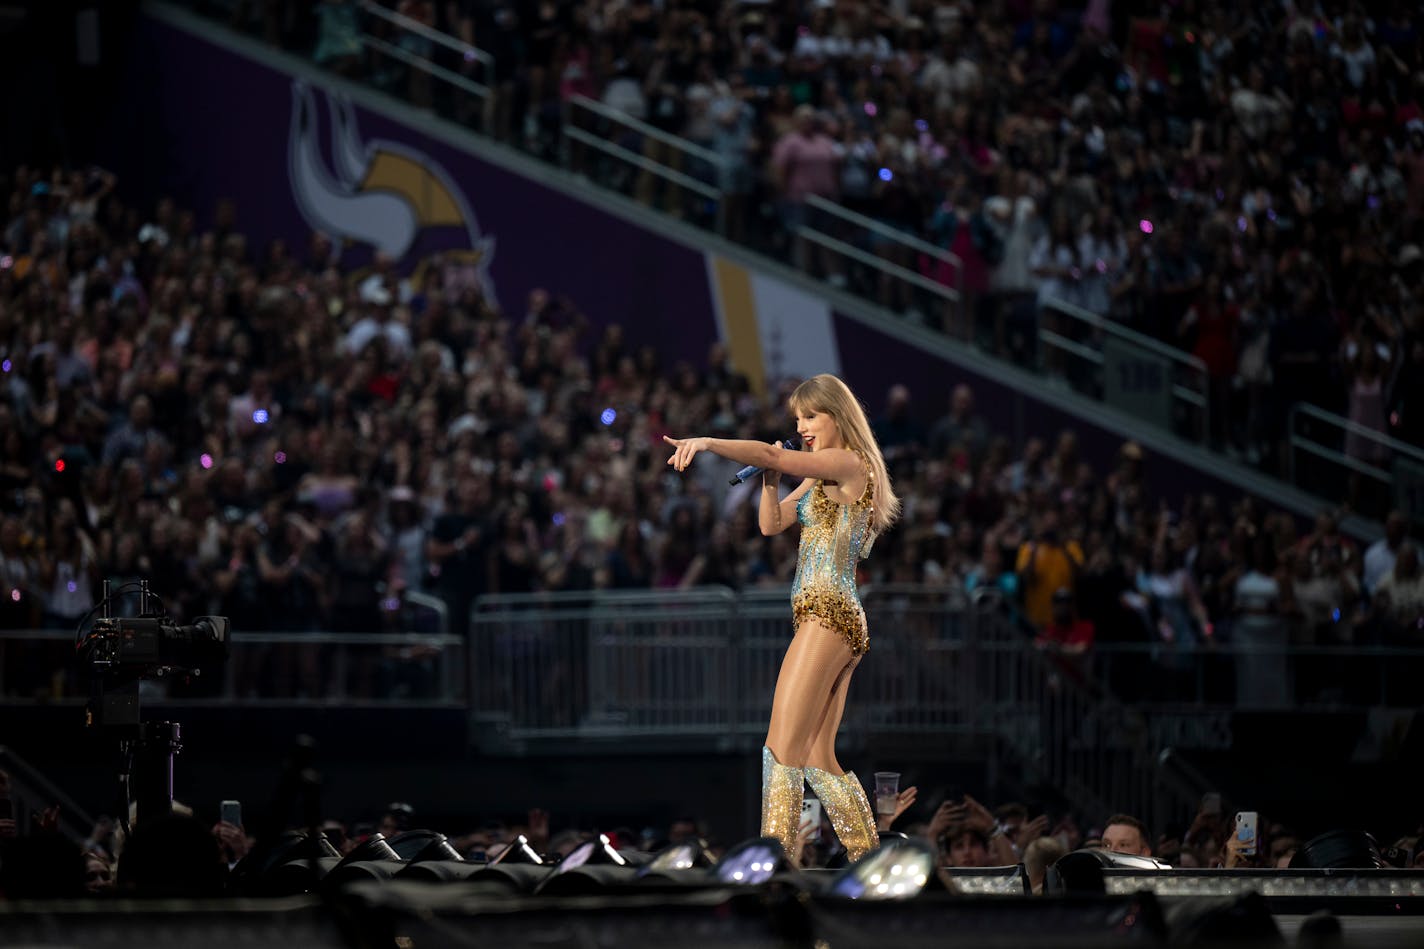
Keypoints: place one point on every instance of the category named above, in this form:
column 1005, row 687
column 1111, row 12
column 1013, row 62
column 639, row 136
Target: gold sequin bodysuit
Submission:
column 834, row 537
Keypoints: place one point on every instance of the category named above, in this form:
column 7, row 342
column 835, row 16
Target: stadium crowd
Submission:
column 266, row 437
column 1244, row 181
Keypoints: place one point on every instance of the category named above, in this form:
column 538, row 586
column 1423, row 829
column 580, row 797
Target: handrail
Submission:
column 885, row 230
column 1337, row 457
column 647, row 164
column 430, row 602
column 1349, row 425
column 420, row 62
column 1083, row 351
column 885, row 266
column 74, row 821
column 435, row 36
column 1127, row 334
column 643, row 128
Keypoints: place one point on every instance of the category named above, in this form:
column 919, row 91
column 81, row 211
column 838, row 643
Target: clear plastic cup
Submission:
column 887, row 791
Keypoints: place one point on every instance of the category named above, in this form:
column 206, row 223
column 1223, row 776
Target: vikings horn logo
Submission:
column 383, row 193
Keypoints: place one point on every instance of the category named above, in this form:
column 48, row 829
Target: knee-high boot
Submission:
column 849, row 809
column 782, row 789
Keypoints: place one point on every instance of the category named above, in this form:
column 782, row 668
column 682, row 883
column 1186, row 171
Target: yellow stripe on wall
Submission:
column 739, row 321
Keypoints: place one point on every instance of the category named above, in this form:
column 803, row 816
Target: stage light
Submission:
column 751, row 862
column 518, row 852
column 373, row 859
column 290, row 864
column 898, row 870
column 440, row 871
column 503, row 880
column 1082, row 871
column 990, row 881
column 1273, row 884
column 1339, row 849
column 592, row 866
column 424, row 846
column 688, row 855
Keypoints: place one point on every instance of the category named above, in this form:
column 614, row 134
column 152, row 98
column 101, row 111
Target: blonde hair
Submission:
column 829, row 395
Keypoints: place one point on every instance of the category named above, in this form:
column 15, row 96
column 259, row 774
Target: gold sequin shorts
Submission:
column 841, row 613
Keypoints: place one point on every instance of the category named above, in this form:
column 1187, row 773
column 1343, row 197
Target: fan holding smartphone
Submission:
column 1241, row 846
column 231, row 837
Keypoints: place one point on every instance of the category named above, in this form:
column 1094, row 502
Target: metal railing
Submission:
column 627, row 154
column 1064, row 729
column 31, row 793
column 466, row 51
column 886, row 262
column 1344, row 459
column 1141, row 375
column 704, row 662
column 1260, row 675
column 263, row 669
column 701, row 664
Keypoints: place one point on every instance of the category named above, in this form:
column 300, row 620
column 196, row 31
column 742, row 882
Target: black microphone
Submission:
column 752, row 470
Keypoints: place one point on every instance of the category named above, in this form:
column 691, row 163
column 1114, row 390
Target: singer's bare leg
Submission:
column 814, row 671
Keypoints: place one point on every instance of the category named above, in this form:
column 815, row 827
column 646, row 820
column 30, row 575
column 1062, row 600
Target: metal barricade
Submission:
column 1062, row 727
column 412, row 669
column 528, row 662
column 920, row 675
column 1259, row 676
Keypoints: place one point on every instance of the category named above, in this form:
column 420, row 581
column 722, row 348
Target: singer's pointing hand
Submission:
column 685, row 449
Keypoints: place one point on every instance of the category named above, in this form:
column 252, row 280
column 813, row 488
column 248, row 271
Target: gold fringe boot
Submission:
column 782, row 789
column 849, row 809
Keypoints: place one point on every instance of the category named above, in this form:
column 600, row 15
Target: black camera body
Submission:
column 153, row 645
column 121, row 651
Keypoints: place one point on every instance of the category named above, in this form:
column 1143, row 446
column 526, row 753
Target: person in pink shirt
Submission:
column 804, row 162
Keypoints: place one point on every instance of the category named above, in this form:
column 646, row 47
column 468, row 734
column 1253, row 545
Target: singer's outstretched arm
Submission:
column 830, row 464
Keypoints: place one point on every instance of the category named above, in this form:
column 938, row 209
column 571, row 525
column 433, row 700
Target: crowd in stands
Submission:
column 189, row 854
column 266, row 437
column 1244, row 181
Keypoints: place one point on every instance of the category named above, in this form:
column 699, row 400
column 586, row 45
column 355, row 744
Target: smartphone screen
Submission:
column 231, row 813
column 811, row 811
column 1246, row 831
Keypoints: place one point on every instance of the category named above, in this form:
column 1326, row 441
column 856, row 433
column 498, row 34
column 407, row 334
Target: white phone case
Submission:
column 1246, row 831
column 811, row 811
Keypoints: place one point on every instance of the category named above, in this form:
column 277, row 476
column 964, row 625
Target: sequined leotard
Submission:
column 834, row 537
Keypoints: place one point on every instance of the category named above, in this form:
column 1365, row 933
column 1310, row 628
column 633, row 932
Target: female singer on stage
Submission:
column 843, row 502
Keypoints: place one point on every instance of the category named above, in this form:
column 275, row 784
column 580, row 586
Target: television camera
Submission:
column 119, row 653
